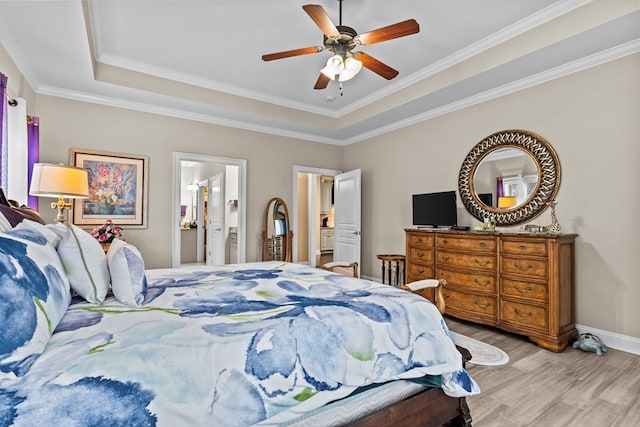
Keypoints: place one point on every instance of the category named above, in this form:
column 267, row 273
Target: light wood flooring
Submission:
column 541, row 388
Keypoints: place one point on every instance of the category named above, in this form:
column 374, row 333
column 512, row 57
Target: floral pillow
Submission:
column 128, row 278
column 85, row 264
column 34, row 295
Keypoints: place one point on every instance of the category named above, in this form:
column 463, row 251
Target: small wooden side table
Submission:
column 388, row 261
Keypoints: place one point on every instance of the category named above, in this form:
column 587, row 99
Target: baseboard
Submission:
column 614, row 340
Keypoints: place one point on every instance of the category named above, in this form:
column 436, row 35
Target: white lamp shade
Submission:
column 335, row 65
column 51, row 180
column 351, row 67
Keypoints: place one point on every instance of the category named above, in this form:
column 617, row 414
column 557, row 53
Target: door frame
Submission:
column 294, row 221
column 178, row 157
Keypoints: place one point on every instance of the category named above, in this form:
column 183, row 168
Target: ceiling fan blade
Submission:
column 290, row 53
column 393, row 31
column 322, row 20
column 322, row 82
column 376, row 66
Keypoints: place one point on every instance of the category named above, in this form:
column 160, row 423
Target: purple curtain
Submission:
column 3, row 131
column 499, row 188
column 33, row 153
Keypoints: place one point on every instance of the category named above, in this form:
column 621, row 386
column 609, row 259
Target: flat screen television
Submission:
column 435, row 209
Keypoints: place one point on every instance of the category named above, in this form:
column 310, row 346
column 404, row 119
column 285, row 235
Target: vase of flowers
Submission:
column 105, row 234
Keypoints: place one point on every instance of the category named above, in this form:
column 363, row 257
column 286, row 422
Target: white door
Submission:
column 215, row 213
column 202, row 222
column 346, row 225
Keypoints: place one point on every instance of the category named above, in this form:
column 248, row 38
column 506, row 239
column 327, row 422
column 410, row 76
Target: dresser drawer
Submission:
column 476, row 262
column 483, row 305
column 420, row 255
column 452, row 242
column 485, row 283
column 425, row 239
column 524, row 266
column 524, row 247
column 522, row 289
column 525, row 315
column 419, row 272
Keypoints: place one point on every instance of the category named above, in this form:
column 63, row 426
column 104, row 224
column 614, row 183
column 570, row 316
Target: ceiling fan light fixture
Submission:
column 351, row 67
column 335, row 66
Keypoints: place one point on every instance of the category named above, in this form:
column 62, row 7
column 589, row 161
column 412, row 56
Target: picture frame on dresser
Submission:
column 118, row 189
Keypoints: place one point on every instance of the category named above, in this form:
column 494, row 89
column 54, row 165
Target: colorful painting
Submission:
column 117, row 189
column 111, row 189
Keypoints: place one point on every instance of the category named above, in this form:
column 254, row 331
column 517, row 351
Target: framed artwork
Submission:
column 118, row 187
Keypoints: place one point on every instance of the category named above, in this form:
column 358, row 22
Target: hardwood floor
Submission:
column 541, row 388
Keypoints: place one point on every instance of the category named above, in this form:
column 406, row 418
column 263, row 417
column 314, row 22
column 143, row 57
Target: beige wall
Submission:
column 270, row 160
column 17, row 87
column 591, row 119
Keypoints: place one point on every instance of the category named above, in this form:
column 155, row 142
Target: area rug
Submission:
column 481, row 353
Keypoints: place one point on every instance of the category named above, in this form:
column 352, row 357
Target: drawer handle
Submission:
column 482, row 263
column 445, row 258
column 482, row 244
column 420, row 254
column 521, row 314
column 485, row 283
column 483, row 305
column 522, row 267
column 523, row 247
column 446, row 295
column 525, row 290
column 421, row 270
column 445, row 241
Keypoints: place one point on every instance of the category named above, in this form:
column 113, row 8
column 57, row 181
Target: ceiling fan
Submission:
column 341, row 40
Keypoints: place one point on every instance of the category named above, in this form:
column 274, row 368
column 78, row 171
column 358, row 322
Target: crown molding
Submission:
column 183, row 114
column 525, row 83
column 608, row 55
column 527, row 24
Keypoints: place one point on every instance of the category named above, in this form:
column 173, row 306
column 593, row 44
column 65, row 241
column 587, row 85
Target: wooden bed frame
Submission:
column 429, row 408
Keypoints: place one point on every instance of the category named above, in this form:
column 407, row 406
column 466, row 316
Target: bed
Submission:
column 267, row 343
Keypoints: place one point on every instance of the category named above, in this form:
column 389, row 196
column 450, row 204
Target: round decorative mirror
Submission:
column 277, row 236
column 509, row 176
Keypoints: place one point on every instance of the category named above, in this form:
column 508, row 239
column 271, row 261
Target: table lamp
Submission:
column 49, row 180
column 506, row 202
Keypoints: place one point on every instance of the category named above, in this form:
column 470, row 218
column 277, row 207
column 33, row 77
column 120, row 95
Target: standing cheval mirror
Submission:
column 277, row 237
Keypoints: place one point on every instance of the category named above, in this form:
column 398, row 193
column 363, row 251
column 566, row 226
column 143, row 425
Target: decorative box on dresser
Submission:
column 522, row 283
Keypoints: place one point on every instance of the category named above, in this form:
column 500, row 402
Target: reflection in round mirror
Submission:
column 510, row 176
column 505, row 178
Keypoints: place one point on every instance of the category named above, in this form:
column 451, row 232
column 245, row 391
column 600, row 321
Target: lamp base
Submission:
column 61, row 205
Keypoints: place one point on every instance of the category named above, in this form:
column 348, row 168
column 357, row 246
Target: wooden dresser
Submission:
column 522, row 283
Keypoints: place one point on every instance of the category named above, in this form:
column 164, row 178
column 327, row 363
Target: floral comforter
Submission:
column 235, row 345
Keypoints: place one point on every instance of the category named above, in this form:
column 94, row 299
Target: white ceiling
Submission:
column 201, row 60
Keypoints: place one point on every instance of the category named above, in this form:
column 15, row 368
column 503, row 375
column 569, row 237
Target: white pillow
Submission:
column 59, row 229
column 5, row 225
column 34, row 295
column 128, row 279
column 53, row 232
column 85, row 263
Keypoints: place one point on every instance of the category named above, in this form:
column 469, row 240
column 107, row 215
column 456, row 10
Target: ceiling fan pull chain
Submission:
column 340, row 85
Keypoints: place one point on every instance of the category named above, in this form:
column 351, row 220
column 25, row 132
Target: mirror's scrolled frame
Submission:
column 548, row 180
